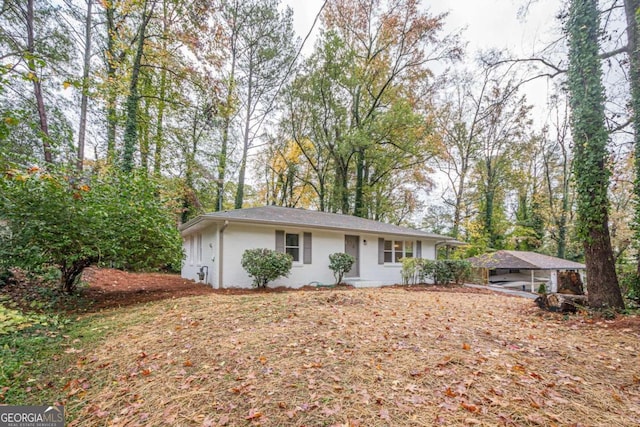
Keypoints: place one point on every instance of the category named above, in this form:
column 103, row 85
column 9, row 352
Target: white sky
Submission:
column 485, row 24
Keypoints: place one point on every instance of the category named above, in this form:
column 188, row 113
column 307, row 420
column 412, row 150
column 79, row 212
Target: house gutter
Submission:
column 417, row 234
column 221, row 254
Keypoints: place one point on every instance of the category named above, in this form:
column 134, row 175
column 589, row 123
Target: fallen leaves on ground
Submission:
column 361, row 357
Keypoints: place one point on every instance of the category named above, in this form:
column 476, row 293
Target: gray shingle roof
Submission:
column 277, row 215
column 524, row 261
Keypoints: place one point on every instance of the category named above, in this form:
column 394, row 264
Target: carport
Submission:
column 521, row 266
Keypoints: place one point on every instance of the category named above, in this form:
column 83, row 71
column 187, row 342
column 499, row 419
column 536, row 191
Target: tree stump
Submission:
column 566, row 303
column 569, row 282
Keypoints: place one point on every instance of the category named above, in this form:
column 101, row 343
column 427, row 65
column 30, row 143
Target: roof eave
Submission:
column 219, row 218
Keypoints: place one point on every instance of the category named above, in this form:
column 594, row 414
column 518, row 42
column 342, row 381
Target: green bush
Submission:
column 265, row 265
column 53, row 220
column 460, row 270
column 340, row 263
column 630, row 285
column 441, row 272
column 410, row 270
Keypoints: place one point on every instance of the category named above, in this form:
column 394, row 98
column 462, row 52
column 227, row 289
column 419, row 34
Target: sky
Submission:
column 484, row 24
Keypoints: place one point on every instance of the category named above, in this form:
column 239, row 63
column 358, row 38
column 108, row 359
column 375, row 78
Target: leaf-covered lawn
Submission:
column 361, row 357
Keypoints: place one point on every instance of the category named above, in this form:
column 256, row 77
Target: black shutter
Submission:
column 380, row 250
column 419, row 249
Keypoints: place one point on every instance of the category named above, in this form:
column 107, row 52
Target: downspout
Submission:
column 221, row 254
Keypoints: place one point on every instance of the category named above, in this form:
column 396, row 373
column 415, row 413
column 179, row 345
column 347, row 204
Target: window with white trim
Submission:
column 395, row 250
column 292, row 245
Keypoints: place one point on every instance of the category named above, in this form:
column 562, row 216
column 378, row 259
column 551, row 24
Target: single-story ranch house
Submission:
column 214, row 244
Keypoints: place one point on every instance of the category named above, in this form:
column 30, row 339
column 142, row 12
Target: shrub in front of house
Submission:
column 441, row 272
column 460, row 270
column 410, row 270
column 265, row 265
column 340, row 263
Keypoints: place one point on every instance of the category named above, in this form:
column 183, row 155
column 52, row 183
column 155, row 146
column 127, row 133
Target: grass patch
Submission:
column 35, row 358
column 37, row 354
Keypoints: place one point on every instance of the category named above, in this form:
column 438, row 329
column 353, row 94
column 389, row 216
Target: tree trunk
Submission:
column 227, row 112
column 69, row 275
column 562, row 222
column 144, row 123
column 37, row 85
column 159, row 137
column 359, row 209
column 222, row 164
column 321, row 195
column 85, row 87
column 246, row 139
column 602, row 282
column 341, row 188
column 489, row 199
column 133, row 99
column 190, row 158
column 633, row 43
column 224, row 144
column 457, row 213
column 590, row 160
column 112, row 114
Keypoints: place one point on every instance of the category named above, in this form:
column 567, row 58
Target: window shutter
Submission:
column 419, row 249
column 380, row 250
column 279, row 241
column 306, row 257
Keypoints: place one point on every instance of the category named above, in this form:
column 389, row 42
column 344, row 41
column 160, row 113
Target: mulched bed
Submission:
column 109, row 288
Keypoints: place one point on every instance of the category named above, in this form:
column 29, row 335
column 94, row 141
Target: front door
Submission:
column 352, row 247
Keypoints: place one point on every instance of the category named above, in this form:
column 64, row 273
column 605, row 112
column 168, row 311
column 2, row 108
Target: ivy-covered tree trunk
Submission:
column 591, row 174
column 162, row 94
column 133, row 99
column 111, row 96
column 632, row 8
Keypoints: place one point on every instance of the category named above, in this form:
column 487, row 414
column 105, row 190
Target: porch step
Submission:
column 363, row 283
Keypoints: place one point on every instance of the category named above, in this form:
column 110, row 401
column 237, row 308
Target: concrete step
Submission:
column 363, row 283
